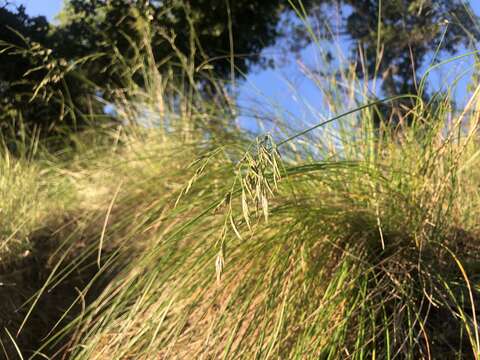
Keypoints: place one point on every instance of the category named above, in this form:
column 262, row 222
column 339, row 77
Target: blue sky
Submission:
column 48, row 8
column 285, row 88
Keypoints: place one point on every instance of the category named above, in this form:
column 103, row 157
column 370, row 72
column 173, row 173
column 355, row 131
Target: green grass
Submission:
column 31, row 194
column 196, row 239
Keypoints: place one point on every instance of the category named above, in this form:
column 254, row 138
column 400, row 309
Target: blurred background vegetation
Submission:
column 61, row 75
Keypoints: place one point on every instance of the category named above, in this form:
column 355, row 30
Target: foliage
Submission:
column 37, row 84
column 397, row 35
column 45, row 68
column 177, row 234
column 205, row 241
column 218, row 29
column 392, row 41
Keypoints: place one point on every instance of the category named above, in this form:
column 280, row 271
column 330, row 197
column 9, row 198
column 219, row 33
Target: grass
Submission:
column 30, row 194
column 196, row 239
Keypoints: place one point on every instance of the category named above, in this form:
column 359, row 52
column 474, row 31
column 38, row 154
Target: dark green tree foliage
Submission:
column 40, row 90
column 410, row 30
column 43, row 69
column 15, row 28
column 102, row 41
column 395, row 40
column 212, row 28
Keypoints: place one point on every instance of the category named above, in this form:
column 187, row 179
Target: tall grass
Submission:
column 30, row 192
column 195, row 239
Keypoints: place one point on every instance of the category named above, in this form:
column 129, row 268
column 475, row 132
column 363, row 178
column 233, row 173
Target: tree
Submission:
column 205, row 32
column 15, row 28
column 39, row 90
column 408, row 31
column 101, row 40
column 394, row 39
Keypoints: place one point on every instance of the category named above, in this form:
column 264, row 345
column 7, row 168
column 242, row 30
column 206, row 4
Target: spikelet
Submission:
column 257, row 175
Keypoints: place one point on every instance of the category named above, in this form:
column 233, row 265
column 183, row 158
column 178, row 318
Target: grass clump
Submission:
column 199, row 240
column 30, row 194
column 367, row 249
